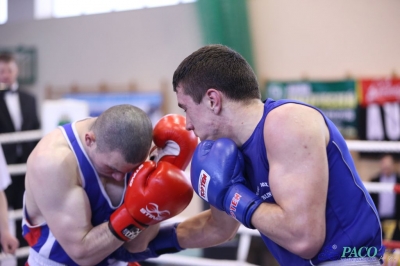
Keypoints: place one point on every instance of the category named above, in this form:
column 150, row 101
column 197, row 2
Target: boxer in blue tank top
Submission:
column 75, row 182
column 281, row 167
column 41, row 239
column 352, row 222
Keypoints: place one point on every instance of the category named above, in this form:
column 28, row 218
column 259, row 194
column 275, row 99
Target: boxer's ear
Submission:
column 214, row 100
column 90, row 138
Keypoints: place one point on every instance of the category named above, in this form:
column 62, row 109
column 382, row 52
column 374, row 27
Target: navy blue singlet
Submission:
column 352, row 220
column 41, row 239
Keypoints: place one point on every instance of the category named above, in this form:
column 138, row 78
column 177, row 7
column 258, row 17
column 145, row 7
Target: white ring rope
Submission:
column 15, row 214
column 21, row 136
column 243, row 232
column 19, row 253
column 373, row 146
column 17, row 169
column 376, row 187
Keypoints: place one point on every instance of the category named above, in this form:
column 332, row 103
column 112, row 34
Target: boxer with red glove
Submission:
column 217, row 177
column 173, row 142
column 155, row 192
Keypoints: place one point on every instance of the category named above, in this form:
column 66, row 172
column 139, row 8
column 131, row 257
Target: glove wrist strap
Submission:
column 241, row 203
column 123, row 226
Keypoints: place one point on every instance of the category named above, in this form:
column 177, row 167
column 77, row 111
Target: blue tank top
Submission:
column 40, row 238
column 352, row 221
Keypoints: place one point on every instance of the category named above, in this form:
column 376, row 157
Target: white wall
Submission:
column 325, row 39
column 141, row 46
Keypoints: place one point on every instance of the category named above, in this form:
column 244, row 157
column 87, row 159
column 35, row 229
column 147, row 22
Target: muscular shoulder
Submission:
column 293, row 123
column 297, row 112
column 52, row 157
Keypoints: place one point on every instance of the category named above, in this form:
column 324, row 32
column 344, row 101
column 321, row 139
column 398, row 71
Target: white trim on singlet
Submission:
column 104, row 193
column 45, row 249
column 70, row 146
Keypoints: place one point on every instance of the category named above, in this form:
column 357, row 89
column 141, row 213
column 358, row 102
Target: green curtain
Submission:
column 226, row 22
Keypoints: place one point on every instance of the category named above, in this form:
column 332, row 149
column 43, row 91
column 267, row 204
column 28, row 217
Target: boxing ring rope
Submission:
column 22, row 136
column 373, row 146
column 381, row 187
column 244, row 233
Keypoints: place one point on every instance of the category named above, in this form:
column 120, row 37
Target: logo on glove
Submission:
column 204, row 180
column 234, row 203
column 153, row 212
column 131, row 232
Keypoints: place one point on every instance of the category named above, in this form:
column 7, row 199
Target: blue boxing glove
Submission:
column 217, row 177
column 165, row 242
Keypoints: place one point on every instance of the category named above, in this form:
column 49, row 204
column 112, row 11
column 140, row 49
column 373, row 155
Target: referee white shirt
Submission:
column 12, row 101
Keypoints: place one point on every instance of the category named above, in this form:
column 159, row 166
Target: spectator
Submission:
column 387, row 203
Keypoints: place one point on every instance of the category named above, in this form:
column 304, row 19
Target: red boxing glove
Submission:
column 154, row 193
column 174, row 143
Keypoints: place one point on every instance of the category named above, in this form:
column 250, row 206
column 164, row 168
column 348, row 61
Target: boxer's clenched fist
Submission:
column 155, row 192
column 173, row 143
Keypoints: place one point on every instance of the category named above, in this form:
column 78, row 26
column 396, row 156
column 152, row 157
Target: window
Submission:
column 68, row 8
column 3, row 11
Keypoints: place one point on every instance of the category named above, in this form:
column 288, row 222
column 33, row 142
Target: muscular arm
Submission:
column 296, row 138
column 209, row 228
column 65, row 207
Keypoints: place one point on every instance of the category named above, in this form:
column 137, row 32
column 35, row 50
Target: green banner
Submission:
column 337, row 100
column 226, row 22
